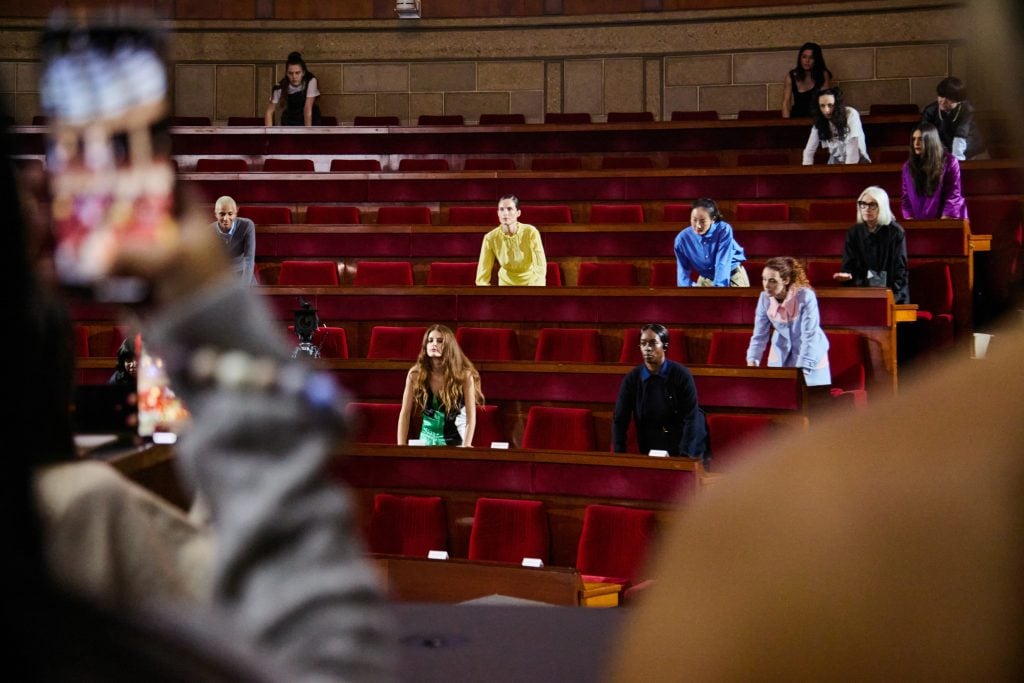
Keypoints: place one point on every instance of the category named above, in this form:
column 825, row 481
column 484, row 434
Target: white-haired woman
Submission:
column 875, row 253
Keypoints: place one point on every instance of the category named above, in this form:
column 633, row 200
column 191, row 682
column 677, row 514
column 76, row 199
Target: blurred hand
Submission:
column 842, row 277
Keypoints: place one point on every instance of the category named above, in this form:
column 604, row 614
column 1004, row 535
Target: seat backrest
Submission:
column 889, row 109
column 819, row 273
column 832, row 211
column 355, row 165
column 630, row 117
column 383, row 274
column 631, row 346
column 266, row 215
column 472, row 215
column 404, row 215
column 601, row 274
column 729, row 434
column 407, row 525
column 501, row 119
column 374, row 422
column 704, row 115
column 81, row 341
column 762, row 159
column 376, row 121
column 562, row 429
column 222, row 166
column 490, row 164
column 440, row 120
column 308, row 274
column 246, row 121
column 567, row 117
column 758, row 114
column 611, row 163
column 676, row 213
column 848, row 360
column 452, row 274
column 419, row 165
column 509, row 530
column 728, row 347
column 762, row 212
column 932, row 287
column 663, row 274
column 289, row 165
column 332, row 215
column 489, row 426
column 488, row 343
column 332, row 341
column 568, row 345
column 556, row 164
column 614, row 541
column 554, row 275
column 190, row 121
column 616, row 213
column 402, row 343
column 694, row 161
column 546, row 215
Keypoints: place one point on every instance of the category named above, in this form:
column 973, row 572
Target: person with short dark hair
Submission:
column 802, row 84
column 931, row 179
column 661, row 397
column 708, row 247
column 297, row 94
column 238, row 235
column 516, row 247
column 838, row 129
column 953, row 116
column 875, row 251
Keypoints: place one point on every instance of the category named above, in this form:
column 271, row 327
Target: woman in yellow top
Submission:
column 516, row 247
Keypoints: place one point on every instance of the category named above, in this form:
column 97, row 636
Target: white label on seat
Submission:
column 499, row 444
column 535, row 562
column 656, row 453
column 437, row 555
column 417, row 442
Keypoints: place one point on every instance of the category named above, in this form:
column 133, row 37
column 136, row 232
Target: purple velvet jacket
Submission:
column 946, row 202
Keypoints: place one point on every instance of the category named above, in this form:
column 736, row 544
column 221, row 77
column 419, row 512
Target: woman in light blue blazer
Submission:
column 789, row 305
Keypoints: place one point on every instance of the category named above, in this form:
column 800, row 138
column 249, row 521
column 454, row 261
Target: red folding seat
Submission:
column 288, row 166
column 630, row 117
column 569, row 118
column 374, row 422
column 407, row 525
column 844, row 212
column 663, row 274
column 452, row 274
column 613, row 544
column 488, row 343
column 730, row 348
column 731, row 434
column 222, row 166
column 81, row 341
column 328, row 120
column 405, row 215
column 567, row 344
column 489, row 426
column 631, row 346
column 705, row 115
column 893, row 109
column 554, row 275
column 848, row 364
column 502, row 119
column 400, row 343
column 754, row 270
column 819, row 273
column 559, row 429
column 676, row 213
column 422, row 165
column 758, row 114
column 355, row 166
column 267, row 215
column 246, row 121
column 332, row 341
column 695, row 161
column 381, row 121
column 442, row 120
column 308, row 274
column 383, row 274
column 545, row 215
column 613, row 163
column 473, row 215
column 616, row 213
column 332, row 215
column 762, row 212
column 932, row 290
column 594, row 274
column 190, row 121
column 890, row 156
column 490, row 164
column 556, row 164
column 509, row 530
column 762, row 159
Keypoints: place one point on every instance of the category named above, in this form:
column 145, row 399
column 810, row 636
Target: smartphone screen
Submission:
column 104, row 88
column 161, row 412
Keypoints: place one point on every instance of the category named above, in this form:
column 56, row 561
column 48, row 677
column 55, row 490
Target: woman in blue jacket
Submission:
column 708, row 247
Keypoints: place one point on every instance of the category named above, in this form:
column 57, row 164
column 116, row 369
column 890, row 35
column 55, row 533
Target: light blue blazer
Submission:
column 798, row 342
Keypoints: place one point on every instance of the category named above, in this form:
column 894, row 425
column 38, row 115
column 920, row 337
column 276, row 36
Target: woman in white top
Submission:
column 837, row 128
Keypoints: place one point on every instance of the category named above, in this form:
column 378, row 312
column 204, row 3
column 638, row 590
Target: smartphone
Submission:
column 103, row 87
column 161, row 413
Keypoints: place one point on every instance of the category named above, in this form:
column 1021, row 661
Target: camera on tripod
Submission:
column 306, row 322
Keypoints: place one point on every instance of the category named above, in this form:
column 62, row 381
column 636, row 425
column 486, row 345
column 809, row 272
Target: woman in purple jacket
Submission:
column 931, row 179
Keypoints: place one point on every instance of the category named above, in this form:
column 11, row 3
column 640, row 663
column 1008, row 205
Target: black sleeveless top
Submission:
column 295, row 103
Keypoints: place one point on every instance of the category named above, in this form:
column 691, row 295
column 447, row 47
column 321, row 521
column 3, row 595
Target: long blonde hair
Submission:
column 455, row 366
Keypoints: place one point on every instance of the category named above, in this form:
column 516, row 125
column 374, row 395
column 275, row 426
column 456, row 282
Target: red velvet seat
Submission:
column 844, row 212
column 730, row 348
column 762, row 212
column 890, row 156
column 246, row 121
column 567, row 344
column 440, row 120
column 695, row 161
column 401, row 343
column 407, row 525
column 80, row 341
column 381, row 121
column 819, row 273
column 758, row 114
column 332, row 341
column 405, row 215
column 892, row 109
column 374, row 422
column 383, row 274
column 932, row 290
column 488, row 343
column 545, row 215
column 730, row 434
column 422, row 165
column 332, row 215
column 612, row 163
column 762, row 159
column 554, row 275
column 288, row 166
column 509, row 530
column 502, row 119
column 602, row 274
column 190, row 121
column 631, row 346
column 556, row 164
column 663, row 274
column 222, row 166
column 490, row 164
column 676, row 213
column 630, row 117
column 104, row 340
column 452, row 274
column 355, row 166
column 266, row 215
column 705, row 115
column 848, row 363
column 559, row 429
column 567, row 118
column 473, row 215
column 613, row 544
column 489, row 426
column 308, row 274
column 616, row 213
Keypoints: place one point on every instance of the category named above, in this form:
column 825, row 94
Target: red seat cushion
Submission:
column 565, row 344
column 489, row 426
column 402, row 343
column 442, row 120
column 501, row 119
column 452, row 274
column 730, row 434
column 705, row 115
column 594, row 274
column 565, row 429
column 419, row 165
column 730, row 348
column 509, row 530
column 308, row 274
column 222, row 166
column 554, row 275
column 404, row 215
column 383, row 274
column 374, row 422
column 663, row 274
column 762, row 212
column 288, row 165
column 567, row 117
column 614, row 542
column 332, row 215
column 490, row 164
column 355, row 165
column 488, row 343
column 630, row 117
column 472, row 215
column 407, row 525
column 762, row 159
column 266, row 215
column 545, row 215
column 616, row 213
